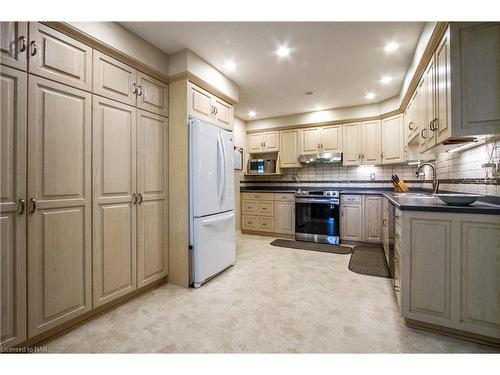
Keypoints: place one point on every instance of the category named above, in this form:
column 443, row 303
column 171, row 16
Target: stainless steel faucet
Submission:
column 435, row 181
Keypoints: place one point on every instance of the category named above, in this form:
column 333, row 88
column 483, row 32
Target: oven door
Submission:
column 317, row 220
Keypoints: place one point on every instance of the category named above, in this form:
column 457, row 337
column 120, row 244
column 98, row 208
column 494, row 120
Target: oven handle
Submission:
column 320, row 201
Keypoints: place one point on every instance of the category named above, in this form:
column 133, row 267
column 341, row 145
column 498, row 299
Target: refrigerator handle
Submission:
column 217, row 221
column 219, row 169
column 224, row 169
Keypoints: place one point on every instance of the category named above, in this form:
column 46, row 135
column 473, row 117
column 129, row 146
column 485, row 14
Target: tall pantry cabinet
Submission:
column 83, row 193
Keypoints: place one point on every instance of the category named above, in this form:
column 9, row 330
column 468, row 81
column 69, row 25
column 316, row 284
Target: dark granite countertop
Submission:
column 485, row 205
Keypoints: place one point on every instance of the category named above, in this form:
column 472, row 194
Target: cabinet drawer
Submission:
column 249, row 207
column 351, row 199
column 266, row 224
column 285, row 197
column 258, row 196
column 249, row 222
column 265, row 208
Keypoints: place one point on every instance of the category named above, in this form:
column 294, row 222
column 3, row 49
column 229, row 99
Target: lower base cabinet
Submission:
column 351, row 217
column 284, row 217
column 268, row 213
column 450, row 271
column 372, row 218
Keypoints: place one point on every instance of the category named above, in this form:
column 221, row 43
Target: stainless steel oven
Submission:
column 317, row 216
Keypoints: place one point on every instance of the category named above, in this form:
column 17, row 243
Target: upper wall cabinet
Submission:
column 289, row 149
column 114, row 79
column 321, row 139
column 392, row 140
column 60, row 58
column 152, row 95
column 264, row 142
column 352, row 144
column 208, row 107
column 14, row 44
column 371, row 148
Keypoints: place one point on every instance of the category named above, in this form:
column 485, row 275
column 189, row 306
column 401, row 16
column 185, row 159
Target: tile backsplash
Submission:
column 457, row 171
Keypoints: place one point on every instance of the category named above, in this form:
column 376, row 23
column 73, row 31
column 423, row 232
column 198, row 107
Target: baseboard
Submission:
column 92, row 314
column 468, row 336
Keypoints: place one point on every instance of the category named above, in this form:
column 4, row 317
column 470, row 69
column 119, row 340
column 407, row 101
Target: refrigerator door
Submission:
column 205, row 168
column 227, row 196
column 214, row 246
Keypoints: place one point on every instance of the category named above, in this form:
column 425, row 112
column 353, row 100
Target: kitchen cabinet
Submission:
column 208, row 107
column 284, row 217
column 113, row 79
column 449, row 271
column 13, row 153
column 152, row 95
column 371, row 147
column 409, row 120
column 264, row 142
column 393, row 142
column 322, row 139
column 152, row 144
column 57, row 57
column 268, row 212
column 289, row 149
column 14, row 44
column 352, row 144
column 114, row 200
column 351, row 217
column 372, row 215
column 442, row 125
column 59, row 209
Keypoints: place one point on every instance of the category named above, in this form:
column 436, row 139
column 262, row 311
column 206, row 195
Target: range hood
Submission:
column 322, row 158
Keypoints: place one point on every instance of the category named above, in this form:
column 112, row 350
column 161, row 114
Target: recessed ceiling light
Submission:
column 230, row 65
column 252, row 113
column 318, row 108
column 386, row 79
column 392, row 46
column 283, row 51
column 370, row 95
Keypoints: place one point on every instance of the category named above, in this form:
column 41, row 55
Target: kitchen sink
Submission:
column 412, row 195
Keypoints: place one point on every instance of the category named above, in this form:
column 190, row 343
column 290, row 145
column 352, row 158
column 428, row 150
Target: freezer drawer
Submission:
column 214, row 246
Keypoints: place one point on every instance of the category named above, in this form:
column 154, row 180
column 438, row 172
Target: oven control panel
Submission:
column 317, row 193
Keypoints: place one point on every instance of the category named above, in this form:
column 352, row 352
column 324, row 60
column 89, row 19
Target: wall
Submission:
column 118, row 37
column 240, row 140
column 460, row 171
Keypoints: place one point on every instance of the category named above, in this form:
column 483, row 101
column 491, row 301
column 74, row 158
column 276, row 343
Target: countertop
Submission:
column 485, row 205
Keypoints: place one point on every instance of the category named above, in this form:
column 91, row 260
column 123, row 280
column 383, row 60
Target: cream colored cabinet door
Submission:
column 200, row 103
column 289, row 149
column 114, row 199
column 13, row 93
column 351, row 222
column 113, row 79
column 372, row 218
column 152, row 133
column 271, row 141
column 152, row 95
column 223, row 113
column 352, row 144
column 310, row 140
column 409, row 125
column 14, row 44
column 60, row 58
column 371, row 142
column 284, row 217
column 59, row 210
column 393, row 143
column 256, row 142
column 429, row 270
column 421, row 115
column 442, row 125
column 430, row 92
column 331, row 138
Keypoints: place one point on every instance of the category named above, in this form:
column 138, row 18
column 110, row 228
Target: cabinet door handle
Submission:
column 134, row 88
column 140, row 198
column 382, row 155
column 410, row 125
column 384, row 222
column 22, row 43
column 359, row 156
column 22, row 206
column 134, row 198
column 139, row 91
column 215, row 110
column 34, row 48
column 434, row 124
column 422, row 133
column 33, row 205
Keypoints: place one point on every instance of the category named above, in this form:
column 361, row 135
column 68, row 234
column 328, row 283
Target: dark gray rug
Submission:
column 369, row 260
column 302, row 245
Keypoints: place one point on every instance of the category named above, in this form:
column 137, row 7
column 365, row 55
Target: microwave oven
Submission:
column 261, row 166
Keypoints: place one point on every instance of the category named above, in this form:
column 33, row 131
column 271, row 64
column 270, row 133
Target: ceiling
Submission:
column 340, row 62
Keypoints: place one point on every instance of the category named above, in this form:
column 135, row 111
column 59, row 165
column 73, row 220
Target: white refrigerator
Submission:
column 211, row 190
